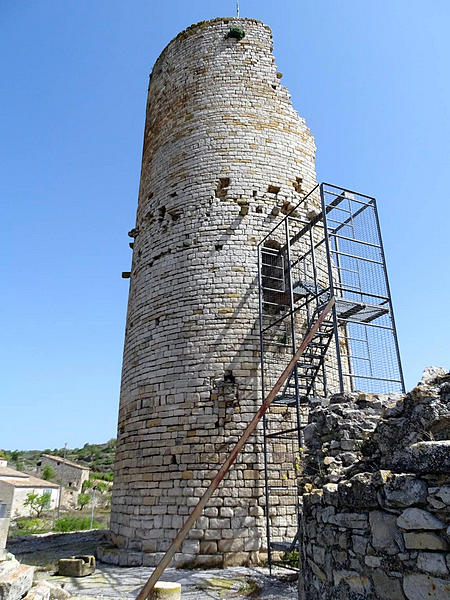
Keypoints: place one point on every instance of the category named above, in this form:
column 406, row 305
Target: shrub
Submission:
column 30, row 526
column 87, row 483
column 236, row 32
column 75, row 524
column 291, row 558
column 105, row 476
column 48, row 473
column 102, row 487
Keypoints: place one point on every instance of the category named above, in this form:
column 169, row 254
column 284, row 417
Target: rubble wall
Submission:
column 376, row 498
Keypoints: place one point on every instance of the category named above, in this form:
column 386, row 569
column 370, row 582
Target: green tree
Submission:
column 83, row 499
column 15, row 455
column 48, row 473
column 38, row 503
column 87, row 483
column 102, row 486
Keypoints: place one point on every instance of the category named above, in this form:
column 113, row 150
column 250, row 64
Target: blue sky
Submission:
column 370, row 77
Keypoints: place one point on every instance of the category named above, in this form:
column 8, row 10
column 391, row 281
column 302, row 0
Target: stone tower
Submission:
column 225, row 156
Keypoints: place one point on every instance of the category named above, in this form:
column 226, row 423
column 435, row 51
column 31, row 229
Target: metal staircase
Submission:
column 303, row 264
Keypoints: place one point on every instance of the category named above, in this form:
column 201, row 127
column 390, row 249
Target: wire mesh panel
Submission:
column 329, row 246
column 363, row 303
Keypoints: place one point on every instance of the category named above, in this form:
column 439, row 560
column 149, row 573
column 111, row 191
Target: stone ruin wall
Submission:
column 376, row 496
column 225, row 157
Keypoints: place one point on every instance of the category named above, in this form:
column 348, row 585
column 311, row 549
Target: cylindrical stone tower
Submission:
column 225, row 156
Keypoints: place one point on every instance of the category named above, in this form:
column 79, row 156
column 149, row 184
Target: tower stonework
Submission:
column 225, row 156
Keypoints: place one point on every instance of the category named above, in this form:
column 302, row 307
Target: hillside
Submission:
column 98, row 457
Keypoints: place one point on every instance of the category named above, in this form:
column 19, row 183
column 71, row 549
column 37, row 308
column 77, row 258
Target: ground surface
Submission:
column 212, row 584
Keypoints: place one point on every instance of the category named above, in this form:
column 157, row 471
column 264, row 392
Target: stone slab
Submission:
column 15, row 580
column 418, row 587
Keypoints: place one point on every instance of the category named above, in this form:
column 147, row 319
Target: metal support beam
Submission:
column 184, row 531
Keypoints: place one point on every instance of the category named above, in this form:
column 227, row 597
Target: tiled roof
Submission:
column 60, row 459
column 7, row 472
column 31, row 482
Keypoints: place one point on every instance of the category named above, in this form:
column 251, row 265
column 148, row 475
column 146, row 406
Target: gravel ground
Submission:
column 211, row 584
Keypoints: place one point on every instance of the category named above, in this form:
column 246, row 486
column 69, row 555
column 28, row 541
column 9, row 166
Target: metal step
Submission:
column 286, row 401
column 284, row 546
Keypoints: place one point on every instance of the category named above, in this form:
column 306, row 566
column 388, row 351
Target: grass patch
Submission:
column 66, row 524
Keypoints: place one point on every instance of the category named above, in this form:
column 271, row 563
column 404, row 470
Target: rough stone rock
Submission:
column 359, row 544
column 420, row 587
column 358, row 584
column 416, row 518
column 56, row 591
column 359, row 492
column 372, row 561
column 430, row 374
column 404, row 490
column 385, row 534
column 432, row 562
column 424, row 540
column 443, row 493
column 317, row 571
column 424, row 457
column 15, row 579
column 352, row 520
column 387, row 588
column 38, row 592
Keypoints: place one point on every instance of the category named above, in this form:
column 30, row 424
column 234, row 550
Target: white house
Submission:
column 15, row 486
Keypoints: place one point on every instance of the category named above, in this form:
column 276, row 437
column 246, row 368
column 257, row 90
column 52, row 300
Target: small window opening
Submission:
column 229, row 377
column 222, row 187
column 162, row 213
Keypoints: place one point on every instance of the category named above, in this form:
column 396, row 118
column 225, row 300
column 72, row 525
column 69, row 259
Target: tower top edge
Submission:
column 232, row 21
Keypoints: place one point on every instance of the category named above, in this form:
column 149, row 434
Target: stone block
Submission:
column 416, row 518
column 234, row 559
column 424, row 457
column 358, row 583
column 404, row 490
column 321, row 575
column 432, row 562
column 233, row 545
column 372, row 561
column 208, row 561
column 38, row 592
column 359, row 544
column 56, row 591
column 443, row 493
column 77, row 566
column 359, row 492
column 385, row 534
column 418, row 586
column 387, row 588
column 108, row 554
column 15, row 580
column 350, row 520
column 424, row 540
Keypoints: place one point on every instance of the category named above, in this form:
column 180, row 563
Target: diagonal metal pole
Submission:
column 182, row 534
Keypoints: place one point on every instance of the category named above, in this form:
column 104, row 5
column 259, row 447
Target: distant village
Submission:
column 37, row 489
